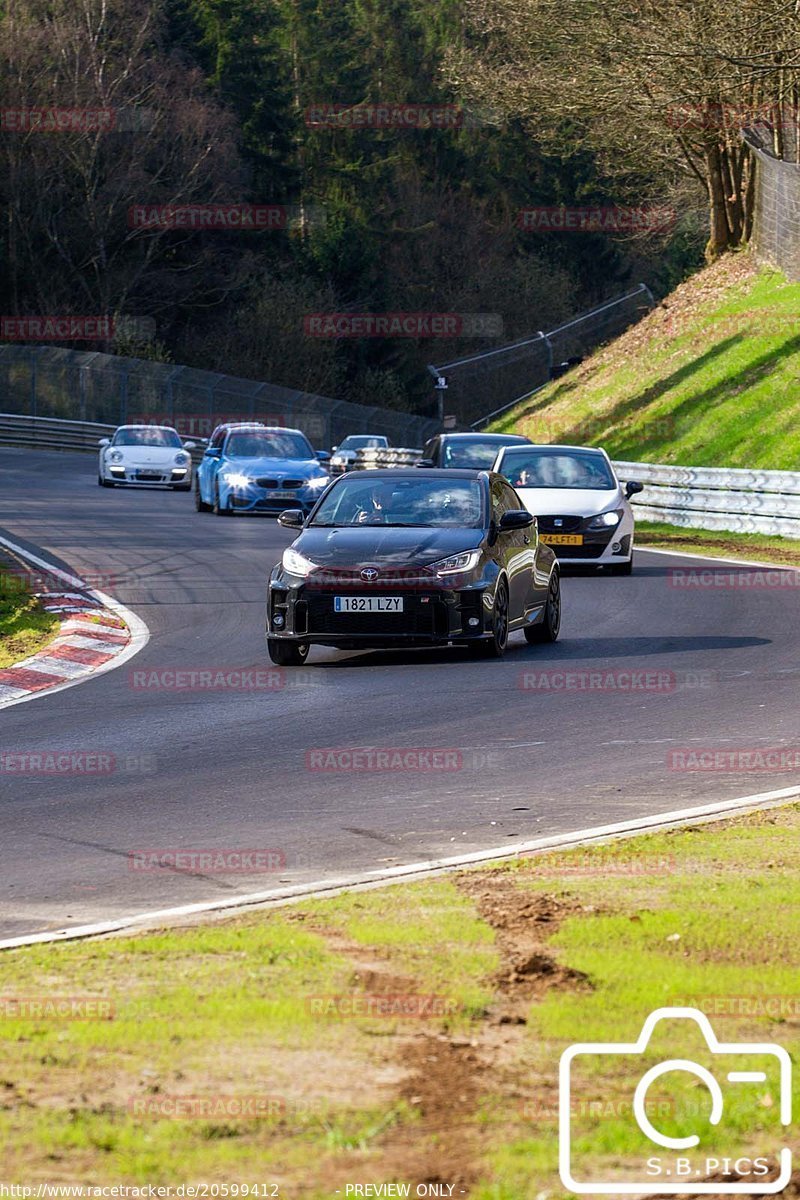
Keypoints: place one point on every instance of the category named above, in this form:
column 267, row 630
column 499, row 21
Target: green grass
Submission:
column 709, row 379
column 25, row 627
column 760, row 547
column 224, row 1009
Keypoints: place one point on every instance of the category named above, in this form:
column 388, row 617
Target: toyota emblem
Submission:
column 369, row 574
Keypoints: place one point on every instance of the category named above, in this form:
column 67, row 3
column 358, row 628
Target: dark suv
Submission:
column 468, row 450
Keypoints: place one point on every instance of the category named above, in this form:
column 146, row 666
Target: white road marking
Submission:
column 365, row 880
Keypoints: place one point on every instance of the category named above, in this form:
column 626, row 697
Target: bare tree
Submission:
column 137, row 128
column 657, row 89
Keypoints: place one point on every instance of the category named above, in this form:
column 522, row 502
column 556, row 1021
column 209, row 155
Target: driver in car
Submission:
column 373, row 506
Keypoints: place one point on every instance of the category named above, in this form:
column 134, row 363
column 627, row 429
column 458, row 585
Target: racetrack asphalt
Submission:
column 229, row 768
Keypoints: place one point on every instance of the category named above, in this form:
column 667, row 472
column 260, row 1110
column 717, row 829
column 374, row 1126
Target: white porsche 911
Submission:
column 583, row 511
column 152, row 455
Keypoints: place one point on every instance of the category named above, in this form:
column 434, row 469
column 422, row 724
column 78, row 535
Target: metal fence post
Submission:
column 33, row 383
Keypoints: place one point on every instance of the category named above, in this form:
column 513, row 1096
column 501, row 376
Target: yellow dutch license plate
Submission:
column 563, row 539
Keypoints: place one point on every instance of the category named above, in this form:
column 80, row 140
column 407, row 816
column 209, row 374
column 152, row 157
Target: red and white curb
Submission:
column 97, row 634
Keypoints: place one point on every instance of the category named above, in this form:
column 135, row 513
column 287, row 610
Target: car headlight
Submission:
column 606, row 520
column 235, row 480
column 181, row 459
column 296, row 563
column 116, row 456
column 320, row 481
column 456, row 564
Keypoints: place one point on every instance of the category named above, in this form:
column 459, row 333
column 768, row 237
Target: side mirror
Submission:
column 104, row 442
column 291, row 518
column 189, row 445
column 426, row 462
column 632, row 488
column 334, row 449
column 516, row 518
column 323, row 455
column 213, row 452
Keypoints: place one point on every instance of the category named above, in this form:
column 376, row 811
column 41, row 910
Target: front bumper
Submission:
column 149, row 476
column 597, row 547
column 253, row 498
column 431, row 615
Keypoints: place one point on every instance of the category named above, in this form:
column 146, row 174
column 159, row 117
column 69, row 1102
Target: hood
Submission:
column 569, row 502
column 304, row 468
column 376, row 545
column 149, row 455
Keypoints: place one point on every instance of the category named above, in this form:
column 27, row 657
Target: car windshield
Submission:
column 574, row 469
column 471, row 452
column 362, row 443
column 359, row 500
column 254, row 444
column 147, row 437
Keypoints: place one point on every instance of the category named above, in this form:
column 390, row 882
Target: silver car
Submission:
column 344, row 455
column 151, row 455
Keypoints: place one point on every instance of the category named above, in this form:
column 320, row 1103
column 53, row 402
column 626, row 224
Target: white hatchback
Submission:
column 582, row 509
column 151, row 455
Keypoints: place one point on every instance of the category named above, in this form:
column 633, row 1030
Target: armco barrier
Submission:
column 717, row 498
column 381, row 456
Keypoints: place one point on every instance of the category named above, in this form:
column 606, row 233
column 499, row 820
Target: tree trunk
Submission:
column 720, row 237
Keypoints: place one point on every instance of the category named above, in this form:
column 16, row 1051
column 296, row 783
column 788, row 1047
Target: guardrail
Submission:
column 382, row 456
column 717, row 498
column 53, row 433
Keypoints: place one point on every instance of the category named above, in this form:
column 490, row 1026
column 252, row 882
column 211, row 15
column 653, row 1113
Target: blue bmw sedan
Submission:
column 251, row 468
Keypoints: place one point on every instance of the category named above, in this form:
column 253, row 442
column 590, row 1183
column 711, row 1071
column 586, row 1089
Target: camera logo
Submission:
column 686, row 1155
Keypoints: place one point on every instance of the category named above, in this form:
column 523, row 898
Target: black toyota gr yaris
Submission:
column 410, row 557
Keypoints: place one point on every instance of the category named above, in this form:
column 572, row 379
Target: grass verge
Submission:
column 409, row 1034
column 758, row 547
column 707, row 379
column 25, row 627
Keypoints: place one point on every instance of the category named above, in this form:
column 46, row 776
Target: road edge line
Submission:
column 411, row 872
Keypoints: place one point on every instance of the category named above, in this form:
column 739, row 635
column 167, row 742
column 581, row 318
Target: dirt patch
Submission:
column 724, row 547
column 523, row 923
column 444, row 1078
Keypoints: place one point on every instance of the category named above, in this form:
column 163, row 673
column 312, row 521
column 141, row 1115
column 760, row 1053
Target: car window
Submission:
column 568, row 469
column 254, row 443
column 218, row 437
column 362, row 442
column 470, row 452
column 362, row 499
column 500, row 503
column 147, row 437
